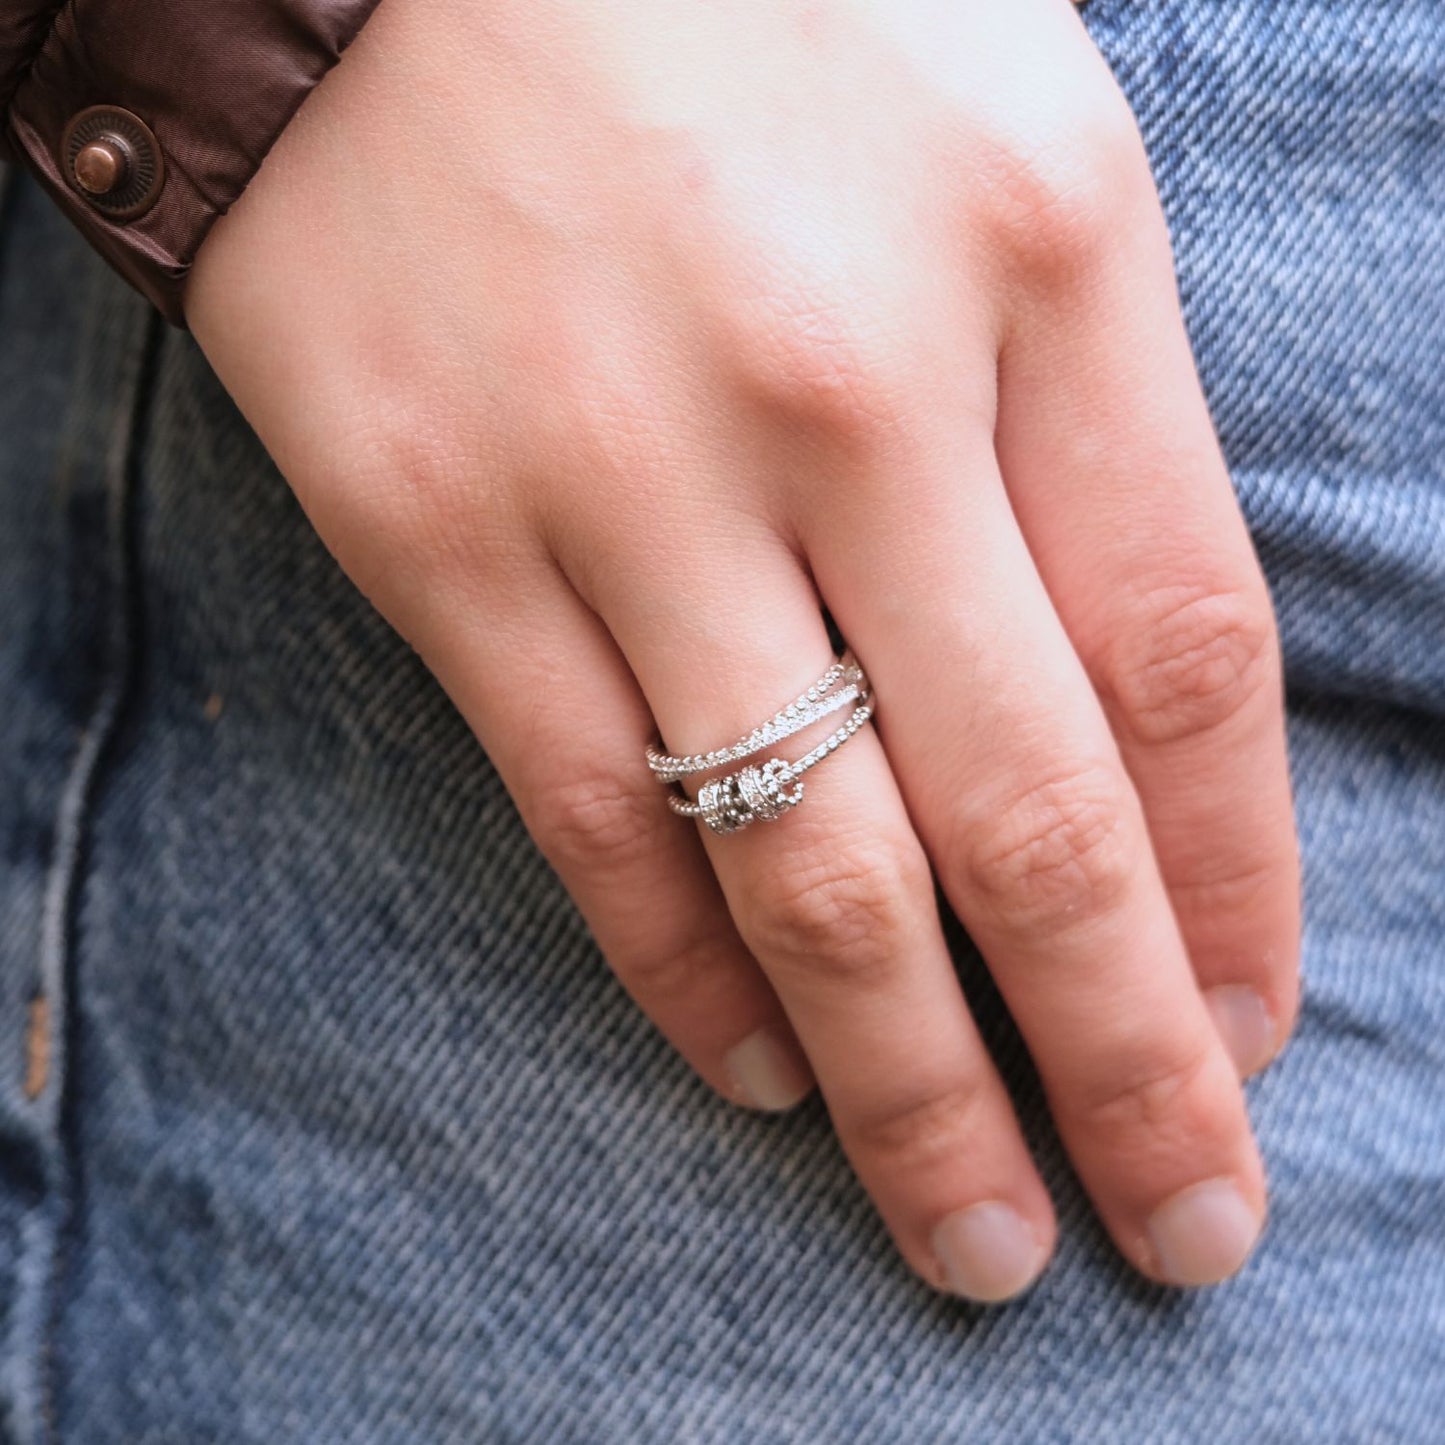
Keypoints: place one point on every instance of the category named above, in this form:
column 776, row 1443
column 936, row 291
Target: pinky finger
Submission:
column 561, row 717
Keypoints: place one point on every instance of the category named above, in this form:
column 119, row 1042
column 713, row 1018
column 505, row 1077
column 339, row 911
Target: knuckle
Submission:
column 840, row 916
column 824, row 362
column 1058, row 854
column 1055, row 197
column 668, row 976
column 406, row 514
column 1172, row 1097
column 1237, row 884
column 1194, row 660
column 407, row 465
column 593, row 821
column 930, row 1128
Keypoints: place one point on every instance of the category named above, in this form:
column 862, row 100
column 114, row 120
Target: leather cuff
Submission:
column 146, row 119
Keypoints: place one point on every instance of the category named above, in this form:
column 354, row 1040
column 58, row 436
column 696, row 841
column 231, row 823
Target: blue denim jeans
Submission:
column 345, row 1132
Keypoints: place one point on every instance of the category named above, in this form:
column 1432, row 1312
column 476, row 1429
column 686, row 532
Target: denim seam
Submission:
column 43, row 1279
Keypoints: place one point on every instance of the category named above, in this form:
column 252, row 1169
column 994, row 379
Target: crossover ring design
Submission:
column 764, row 792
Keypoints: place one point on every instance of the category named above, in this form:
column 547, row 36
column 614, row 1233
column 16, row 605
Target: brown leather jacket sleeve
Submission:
column 147, row 118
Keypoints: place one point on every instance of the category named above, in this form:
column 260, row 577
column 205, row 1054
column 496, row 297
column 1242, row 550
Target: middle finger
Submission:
column 1018, row 791
column 836, row 902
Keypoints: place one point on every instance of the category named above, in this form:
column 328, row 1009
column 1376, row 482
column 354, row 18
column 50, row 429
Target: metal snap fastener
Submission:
column 102, row 166
column 113, row 160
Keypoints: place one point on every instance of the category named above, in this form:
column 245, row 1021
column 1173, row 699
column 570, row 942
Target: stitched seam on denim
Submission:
column 58, row 961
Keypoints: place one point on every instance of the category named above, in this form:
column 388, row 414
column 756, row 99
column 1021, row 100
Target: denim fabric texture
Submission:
column 347, row 1135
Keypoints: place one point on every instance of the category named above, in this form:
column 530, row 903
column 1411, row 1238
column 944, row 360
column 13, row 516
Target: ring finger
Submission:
column 837, row 904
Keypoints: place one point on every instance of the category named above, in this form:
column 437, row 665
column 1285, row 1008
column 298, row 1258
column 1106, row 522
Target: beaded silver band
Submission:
column 767, row 791
column 817, row 702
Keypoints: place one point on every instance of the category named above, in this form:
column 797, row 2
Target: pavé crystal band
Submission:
column 765, row 792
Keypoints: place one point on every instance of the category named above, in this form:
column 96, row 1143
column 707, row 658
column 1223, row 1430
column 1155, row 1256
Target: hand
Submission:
column 602, row 340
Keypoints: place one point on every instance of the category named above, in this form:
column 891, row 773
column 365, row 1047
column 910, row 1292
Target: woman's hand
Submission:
column 602, row 339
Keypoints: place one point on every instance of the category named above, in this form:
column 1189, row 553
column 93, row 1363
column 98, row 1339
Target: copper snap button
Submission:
column 101, row 166
column 112, row 158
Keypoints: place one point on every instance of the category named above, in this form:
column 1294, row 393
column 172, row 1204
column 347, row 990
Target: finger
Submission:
column 1119, row 487
column 1019, row 794
column 556, row 707
column 836, row 901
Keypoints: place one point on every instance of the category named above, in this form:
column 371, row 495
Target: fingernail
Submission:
column 988, row 1252
column 768, row 1074
column 1203, row 1234
column 1245, row 1024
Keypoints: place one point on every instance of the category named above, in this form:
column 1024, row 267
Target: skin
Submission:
column 604, row 340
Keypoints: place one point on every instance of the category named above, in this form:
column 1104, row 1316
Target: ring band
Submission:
column 763, row 793
column 817, row 702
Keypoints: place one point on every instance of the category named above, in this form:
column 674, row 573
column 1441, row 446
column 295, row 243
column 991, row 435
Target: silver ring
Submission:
column 764, row 792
